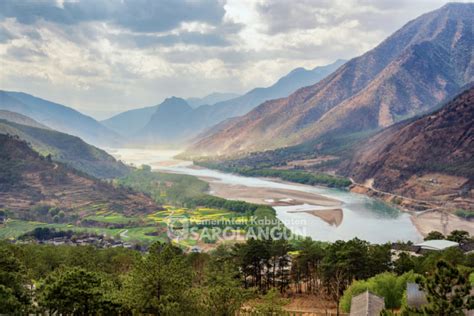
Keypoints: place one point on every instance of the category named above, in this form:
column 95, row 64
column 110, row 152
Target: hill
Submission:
column 20, row 119
column 29, row 180
column 183, row 126
column 65, row 148
column 58, row 117
column 431, row 157
column 409, row 73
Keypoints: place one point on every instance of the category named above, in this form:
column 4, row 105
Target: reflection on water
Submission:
column 363, row 217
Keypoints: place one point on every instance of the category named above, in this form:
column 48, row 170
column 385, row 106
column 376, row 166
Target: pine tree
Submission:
column 447, row 291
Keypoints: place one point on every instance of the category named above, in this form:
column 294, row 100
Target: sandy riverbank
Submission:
column 444, row 223
column 269, row 196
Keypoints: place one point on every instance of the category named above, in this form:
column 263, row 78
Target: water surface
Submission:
column 363, row 217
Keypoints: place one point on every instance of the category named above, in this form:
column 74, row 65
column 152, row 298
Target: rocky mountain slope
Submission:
column 59, row 117
column 28, row 179
column 428, row 157
column 186, row 125
column 407, row 74
column 64, row 148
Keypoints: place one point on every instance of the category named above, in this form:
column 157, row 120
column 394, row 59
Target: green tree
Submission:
column 223, row 294
column 14, row 296
column 403, row 264
column 160, row 283
column 459, row 236
column 75, row 291
column 434, row 235
column 447, row 291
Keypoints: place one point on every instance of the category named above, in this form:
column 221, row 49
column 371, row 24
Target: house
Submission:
column 437, row 245
column 367, row 304
column 416, row 298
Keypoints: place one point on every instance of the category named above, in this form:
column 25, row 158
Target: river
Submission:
column 356, row 215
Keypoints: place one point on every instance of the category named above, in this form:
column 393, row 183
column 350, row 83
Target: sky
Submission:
column 102, row 57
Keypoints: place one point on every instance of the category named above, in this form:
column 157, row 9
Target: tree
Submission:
column 459, row 236
column 160, row 283
column 223, row 294
column 73, row 290
column 404, row 263
column 271, row 304
column 14, row 296
column 434, row 235
column 307, row 264
column 447, row 291
column 252, row 257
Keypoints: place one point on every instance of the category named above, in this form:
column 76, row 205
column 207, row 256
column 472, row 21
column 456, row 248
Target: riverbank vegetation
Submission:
column 182, row 190
column 257, row 273
column 297, row 176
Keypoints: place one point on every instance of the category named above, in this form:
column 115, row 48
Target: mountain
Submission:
column 187, row 125
column 211, row 99
column 28, row 180
column 20, row 119
column 130, row 121
column 59, row 117
column 172, row 120
column 407, row 74
column 426, row 157
column 70, row 150
column 294, row 80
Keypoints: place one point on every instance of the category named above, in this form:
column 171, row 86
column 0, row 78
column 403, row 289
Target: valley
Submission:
column 361, row 216
column 236, row 158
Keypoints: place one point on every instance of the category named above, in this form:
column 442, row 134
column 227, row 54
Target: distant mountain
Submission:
column 130, row 122
column 20, row 119
column 414, row 158
column 185, row 125
column 59, row 117
column 294, row 80
column 28, row 180
column 64, row 148
column 172, row 121
column 211, row 99
column 410, row 72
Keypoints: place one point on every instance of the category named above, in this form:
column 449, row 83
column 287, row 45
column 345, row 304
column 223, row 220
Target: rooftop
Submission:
column 439, row 244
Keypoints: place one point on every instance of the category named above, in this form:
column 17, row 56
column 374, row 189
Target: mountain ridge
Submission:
column 58, row 117
column 414, row 157
column 28, row 179
column 67, row 149
column 365, row 93
column 205, row 116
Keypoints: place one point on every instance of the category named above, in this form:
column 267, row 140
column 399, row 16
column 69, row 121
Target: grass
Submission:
column 112, row 218
column 15, row 228
column 141, row 229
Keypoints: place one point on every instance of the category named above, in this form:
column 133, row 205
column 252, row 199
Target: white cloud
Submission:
column 93, row 56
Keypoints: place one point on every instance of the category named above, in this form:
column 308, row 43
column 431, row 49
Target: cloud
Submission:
column 135, row 15
column 25, row 53
column 5, row 35
column 104, row 56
